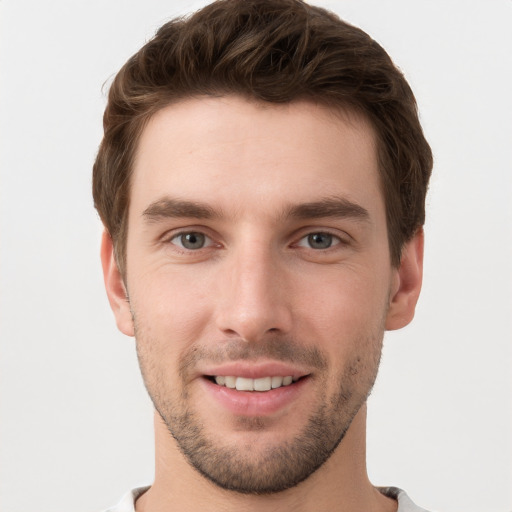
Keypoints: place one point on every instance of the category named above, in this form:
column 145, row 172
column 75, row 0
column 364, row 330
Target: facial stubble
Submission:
column 277, row 467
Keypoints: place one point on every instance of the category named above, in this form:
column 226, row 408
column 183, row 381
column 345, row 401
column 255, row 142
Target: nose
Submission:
column 254, row 297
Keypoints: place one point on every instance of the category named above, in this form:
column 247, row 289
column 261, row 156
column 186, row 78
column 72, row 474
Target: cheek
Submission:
column 171, row 310
column 346, row 300
column 345, row 317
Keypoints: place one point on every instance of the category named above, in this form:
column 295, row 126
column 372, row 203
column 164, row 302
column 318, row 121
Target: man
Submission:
column 262, row 181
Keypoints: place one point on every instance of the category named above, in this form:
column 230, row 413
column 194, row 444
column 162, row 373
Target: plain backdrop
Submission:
column 75, row 422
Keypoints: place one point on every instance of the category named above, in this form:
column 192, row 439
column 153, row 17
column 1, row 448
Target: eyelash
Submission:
column 335, row 241
column 181, row 234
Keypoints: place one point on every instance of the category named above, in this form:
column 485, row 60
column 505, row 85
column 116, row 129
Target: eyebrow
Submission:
column 335, row 207
column 329, row 207
column 177, row 208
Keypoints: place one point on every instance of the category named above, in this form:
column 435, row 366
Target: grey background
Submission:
column 75, row 422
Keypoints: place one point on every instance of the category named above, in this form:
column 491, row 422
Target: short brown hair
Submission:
column 273, row 51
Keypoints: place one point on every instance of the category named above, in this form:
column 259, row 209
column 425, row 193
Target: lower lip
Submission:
column 255, row 403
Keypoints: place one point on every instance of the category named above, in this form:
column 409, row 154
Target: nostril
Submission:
column 231, row 332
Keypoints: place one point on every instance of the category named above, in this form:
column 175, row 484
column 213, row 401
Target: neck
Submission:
column 340, row 484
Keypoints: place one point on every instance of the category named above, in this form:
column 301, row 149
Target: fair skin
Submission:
column 257, row 250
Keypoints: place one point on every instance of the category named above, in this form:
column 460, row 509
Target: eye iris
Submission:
column 320, row 240
column 192, row 240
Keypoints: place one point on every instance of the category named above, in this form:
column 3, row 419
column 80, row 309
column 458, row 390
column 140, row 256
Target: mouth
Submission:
column 262, row 388
column 261, row 384
column 255, row 391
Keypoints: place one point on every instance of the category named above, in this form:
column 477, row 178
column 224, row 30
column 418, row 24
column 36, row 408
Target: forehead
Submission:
column 242, row 154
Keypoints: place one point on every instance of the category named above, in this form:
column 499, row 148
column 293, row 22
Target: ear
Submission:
column 407, row 285
column 114, row 284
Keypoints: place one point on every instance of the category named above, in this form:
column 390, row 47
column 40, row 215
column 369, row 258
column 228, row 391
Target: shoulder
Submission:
column 127, row 503
column 405, row 504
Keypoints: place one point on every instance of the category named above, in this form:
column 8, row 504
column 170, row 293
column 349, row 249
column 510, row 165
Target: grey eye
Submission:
column 320, row 240
column 191, row 241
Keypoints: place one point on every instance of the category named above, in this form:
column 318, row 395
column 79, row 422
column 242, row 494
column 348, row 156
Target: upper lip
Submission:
column 255, row 370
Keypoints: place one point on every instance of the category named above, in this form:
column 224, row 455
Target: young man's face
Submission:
column 257, row 253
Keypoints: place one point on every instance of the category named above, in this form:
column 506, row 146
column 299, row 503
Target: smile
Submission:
column 262, row 394
column 260, row 384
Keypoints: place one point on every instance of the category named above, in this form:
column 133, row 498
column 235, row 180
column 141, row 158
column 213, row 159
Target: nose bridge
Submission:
column 254, row 300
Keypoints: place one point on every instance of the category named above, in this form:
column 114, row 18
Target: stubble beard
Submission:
column 276, row 467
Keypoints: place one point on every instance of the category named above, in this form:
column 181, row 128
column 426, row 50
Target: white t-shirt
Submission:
column 405, row 504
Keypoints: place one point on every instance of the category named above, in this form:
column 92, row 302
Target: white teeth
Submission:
column 277, row 382
column 230, row 382
column 261, row 384
column 243, row 384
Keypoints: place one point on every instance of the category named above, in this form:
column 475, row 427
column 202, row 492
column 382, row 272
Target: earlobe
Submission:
column 408, row 284
column 115, row 287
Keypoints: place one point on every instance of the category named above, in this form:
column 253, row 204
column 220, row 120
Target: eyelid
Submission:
column 336, row 240
column 208, row 241
column 342, row 238
column 170, row 236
